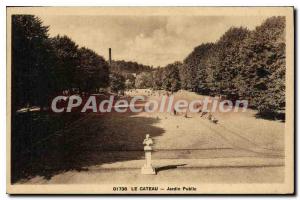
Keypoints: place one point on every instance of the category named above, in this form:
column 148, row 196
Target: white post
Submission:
column 147, row 168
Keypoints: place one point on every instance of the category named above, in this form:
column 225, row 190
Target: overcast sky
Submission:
column 151, row 40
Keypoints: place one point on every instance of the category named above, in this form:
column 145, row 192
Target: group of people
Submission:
column 210, row 116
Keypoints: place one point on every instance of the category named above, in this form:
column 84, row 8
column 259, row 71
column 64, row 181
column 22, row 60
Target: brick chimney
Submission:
column 109, row 52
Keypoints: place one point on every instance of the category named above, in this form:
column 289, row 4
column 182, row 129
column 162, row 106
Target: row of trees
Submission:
column 166, row 78
column 43, row 66
column 127, row 73
column 127, row 67
column 242, row 64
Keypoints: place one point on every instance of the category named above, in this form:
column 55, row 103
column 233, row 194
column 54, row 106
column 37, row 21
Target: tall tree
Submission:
column 92, row 73
column 263, row 66
column 67, row 54
column 227, row 62
column 194, row 71
column 144, row 80
column 157, row 78
column 117, row 82
column 242, row 64
column 171, row 79
column 32, row 61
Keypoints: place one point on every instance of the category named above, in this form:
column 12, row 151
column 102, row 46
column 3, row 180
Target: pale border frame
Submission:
column 285, row 188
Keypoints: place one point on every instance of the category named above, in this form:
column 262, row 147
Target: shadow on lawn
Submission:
column 97, row 140
column 168, row 167
column 271, row 116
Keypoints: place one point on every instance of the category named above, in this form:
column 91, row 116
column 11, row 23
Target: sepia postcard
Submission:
column 150, row 100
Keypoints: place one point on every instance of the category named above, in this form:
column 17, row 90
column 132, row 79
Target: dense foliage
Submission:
column 144, row 80
column 43, row 67
column 127, row 67
column 32, row 61
column 117, row 82
column 134, row 74
column 170, row 77
column 242, row 64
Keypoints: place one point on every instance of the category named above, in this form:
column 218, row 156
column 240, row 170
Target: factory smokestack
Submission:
column 109, row 52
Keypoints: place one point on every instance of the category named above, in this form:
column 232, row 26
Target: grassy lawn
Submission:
column 234, row 129
column 116, row 137
column 31, row 133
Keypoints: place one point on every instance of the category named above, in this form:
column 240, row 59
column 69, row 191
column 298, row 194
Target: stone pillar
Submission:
column 147, row 168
